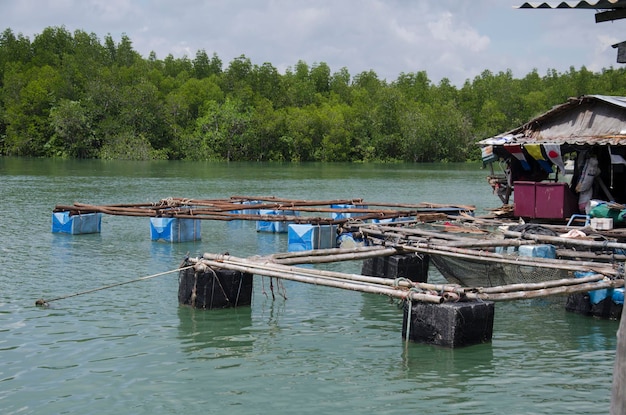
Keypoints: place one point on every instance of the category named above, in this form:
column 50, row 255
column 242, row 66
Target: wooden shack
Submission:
column 557, row 163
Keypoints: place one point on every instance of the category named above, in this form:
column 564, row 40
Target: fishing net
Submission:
column 470, row 273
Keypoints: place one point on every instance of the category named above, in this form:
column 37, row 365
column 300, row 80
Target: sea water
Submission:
column 132, row 349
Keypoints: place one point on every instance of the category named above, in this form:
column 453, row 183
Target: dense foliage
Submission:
column 70, row 95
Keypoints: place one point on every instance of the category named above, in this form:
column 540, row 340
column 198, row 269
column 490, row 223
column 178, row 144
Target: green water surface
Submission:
column 134, row 350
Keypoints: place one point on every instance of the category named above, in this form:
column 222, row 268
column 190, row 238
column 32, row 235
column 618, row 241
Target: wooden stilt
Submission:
column 618, row 395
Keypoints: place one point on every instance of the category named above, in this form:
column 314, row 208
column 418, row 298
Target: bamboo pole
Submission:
column 445, row 287
column 566, row 241
column 488, row 243
column 308, row 271
column 223, row 212
column 301, row 277
column 84, row 208
column 317, row 259
column 424, row 205
column 424, row 286
column 381, row 229
column 485, row 256
column 590, row 255
column 300, row 202
column 417, row 292
column 327, row 251
column 571, row 289
column 356, row 202
column 539, row 285
column 472, row 242
column 454, row 241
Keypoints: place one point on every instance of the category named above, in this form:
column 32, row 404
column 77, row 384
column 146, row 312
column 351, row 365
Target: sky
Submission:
column 453, row 39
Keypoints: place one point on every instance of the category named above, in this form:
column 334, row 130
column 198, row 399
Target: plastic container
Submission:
column 175, row 230
column 544, row 200
column 248, row 210
column 554, row 201
column 524, row 198
column 305, row 237
column 538, row 251
column 63, row 222
column 273, row 226
column 344, row 215
column 601, row 224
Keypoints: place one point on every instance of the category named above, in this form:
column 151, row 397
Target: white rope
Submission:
column 42, row 302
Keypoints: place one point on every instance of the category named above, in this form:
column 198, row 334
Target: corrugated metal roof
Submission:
column 596, row 5
column 587, row 120
column 618, row 101
column 573, row 141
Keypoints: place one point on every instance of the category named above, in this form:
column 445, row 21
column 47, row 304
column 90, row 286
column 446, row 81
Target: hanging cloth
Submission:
column 615, row 159
column 584, row 187
column 487, row 154
column 534, row 150
column 553, row 152
column 517, row 152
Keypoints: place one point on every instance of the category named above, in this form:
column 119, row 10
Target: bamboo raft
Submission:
column 234, row 208
column 442, row 232
column 466, row 239
column 473, row 255
column 282, row 266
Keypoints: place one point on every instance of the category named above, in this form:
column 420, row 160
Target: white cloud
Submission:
column 460, row 35
column 456, row 39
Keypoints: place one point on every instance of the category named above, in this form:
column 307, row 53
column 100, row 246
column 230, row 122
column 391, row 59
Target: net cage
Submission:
column 470, row 273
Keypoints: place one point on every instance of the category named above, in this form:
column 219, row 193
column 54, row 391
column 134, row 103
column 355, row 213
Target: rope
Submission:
column 45, row 303
column 281, row 288
column 194, row 290
column 239, row 290
column 215, row 278
column 397, row 281
column 409, row 319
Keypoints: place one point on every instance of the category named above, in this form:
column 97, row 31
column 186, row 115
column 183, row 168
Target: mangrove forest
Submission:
column 72, row 95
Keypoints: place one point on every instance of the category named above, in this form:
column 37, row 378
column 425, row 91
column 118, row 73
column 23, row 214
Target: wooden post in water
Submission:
column 618, row 396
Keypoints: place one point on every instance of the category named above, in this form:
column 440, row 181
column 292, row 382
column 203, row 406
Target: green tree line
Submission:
column 72, row 95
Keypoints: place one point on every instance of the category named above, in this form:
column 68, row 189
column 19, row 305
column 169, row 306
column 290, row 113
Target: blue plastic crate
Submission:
column 595, row 296
column 305, row 237
column 248, row 208
column 345, row 215
column 274, row 226
column 175, row 230
column 538, row 251
column 63, row 222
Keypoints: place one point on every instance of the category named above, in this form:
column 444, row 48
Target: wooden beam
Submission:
column 615, row 14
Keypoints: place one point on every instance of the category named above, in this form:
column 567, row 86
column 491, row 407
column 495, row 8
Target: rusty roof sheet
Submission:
column 587, row 120
column 595, row 5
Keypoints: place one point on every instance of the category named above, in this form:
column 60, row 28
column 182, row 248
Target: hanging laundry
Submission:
column 584, row 187
column 487, row 154
column 616, row 158
column 553, row 151
column 518, row 153
column 534, row 150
